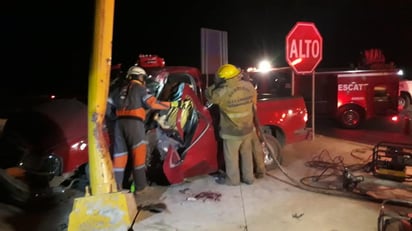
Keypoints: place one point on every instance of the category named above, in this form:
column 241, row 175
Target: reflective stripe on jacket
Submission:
column 134, row 99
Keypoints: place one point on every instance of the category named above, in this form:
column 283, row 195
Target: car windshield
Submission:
column 169, row 90
column 272, row 84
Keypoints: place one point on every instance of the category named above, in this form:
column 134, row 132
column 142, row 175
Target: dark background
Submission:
column 46, row 45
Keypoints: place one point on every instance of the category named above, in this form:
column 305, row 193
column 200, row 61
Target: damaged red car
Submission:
column 49, row 141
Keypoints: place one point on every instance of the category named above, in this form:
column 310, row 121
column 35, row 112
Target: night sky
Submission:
column 51, row 46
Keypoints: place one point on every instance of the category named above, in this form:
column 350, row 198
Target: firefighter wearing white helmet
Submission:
column 236, row 99
column 136, row 72
column 130, row 103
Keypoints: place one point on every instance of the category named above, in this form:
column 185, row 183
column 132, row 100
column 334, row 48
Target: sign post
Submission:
column 303, row 54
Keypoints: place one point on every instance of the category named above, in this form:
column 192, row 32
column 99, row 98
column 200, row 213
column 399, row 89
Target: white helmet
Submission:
column 135, row 70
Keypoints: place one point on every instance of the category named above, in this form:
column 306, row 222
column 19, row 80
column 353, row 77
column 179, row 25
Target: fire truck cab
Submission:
column 351, row 96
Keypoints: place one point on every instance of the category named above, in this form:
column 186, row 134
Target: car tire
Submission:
column 404, row 101
column 272, row 151
column 350, row 117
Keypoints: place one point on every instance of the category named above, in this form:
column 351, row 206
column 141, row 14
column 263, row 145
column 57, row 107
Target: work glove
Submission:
column 219, row 84
column 177, row 104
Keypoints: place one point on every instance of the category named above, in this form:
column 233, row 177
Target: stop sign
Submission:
column 304, row 47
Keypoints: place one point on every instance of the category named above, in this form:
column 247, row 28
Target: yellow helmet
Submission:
column 228, row 71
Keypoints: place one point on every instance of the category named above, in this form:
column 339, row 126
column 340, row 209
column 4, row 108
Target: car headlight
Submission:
column 48, row 165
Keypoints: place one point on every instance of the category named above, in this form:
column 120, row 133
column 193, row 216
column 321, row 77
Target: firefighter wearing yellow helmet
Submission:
column 236, row 99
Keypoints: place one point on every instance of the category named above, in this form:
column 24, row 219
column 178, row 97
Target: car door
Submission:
column 197, row 154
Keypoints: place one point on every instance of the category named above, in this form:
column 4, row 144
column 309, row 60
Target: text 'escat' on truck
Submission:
column 350, row 96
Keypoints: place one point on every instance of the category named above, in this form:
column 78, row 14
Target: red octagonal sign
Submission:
column 304, row 47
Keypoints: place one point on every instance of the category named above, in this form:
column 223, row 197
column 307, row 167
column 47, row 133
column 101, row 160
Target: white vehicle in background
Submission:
column 405, row 94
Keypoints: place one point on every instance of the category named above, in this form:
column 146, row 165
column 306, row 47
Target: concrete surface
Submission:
column 271, row 203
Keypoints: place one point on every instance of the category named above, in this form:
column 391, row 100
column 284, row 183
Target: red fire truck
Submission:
column 352, row 96
column 347, row 95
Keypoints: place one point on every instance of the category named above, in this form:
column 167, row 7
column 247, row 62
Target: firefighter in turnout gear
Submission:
column 236, row 99
column 131, row 102
column 258, row 153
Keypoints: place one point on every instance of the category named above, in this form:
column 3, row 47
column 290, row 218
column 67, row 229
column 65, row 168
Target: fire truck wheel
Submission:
column 350, row 116
column 404, row 101
column 272, row 151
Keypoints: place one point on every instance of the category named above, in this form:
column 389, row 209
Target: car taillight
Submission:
column 305, row 118
column 394, row 118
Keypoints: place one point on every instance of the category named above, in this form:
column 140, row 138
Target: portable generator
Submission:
column 392, row 161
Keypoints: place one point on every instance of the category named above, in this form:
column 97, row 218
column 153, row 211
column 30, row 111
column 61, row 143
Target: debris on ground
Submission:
column 297, row 216
column 204, row 196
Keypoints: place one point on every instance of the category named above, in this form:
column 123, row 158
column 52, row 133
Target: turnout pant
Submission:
column 236, row 147
column 258, row 155
column 130, row 144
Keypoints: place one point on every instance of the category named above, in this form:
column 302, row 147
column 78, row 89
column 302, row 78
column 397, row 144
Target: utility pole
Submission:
column 102, row 208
